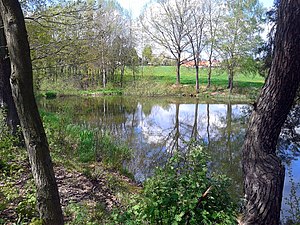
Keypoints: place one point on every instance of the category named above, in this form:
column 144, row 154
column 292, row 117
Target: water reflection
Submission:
column 155, row 128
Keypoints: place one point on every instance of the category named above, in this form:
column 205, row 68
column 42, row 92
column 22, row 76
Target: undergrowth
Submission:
column 87, row 143
column 182, row 192
column 16, row 182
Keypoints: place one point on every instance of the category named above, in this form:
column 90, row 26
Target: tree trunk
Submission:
column 178, row 64
column 263, row 171
column 1, row 89
column 210, row 61
column 209, row 73
column 122, row 75
column 22, row 88
column 197, row 78
column 2, row 55
column 6, row 99
column 230, row 80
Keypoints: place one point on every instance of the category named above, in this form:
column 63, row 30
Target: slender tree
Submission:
column 214, row 10
column 196, row 35
column 21, row 81
column 240, row 33
column 147, row 54
column 166, row 22
column 263, row 170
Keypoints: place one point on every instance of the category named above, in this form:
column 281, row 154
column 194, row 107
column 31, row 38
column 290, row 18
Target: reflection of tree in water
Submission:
column 225, row 145
column 135, row 122
column 289, row 139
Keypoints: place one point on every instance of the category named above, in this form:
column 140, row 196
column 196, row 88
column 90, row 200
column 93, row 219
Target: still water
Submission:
column 155, row 128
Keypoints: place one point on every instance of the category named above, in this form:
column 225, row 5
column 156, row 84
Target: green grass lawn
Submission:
column 167, row 74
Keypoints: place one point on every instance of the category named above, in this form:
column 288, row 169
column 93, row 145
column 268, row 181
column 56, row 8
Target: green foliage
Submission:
column 83, row 214
column 104, row 91
column 89, row 143
column 6, row 140
column 79, row 213
column 85, row 142
column 50, row 94
column 54, row 125
column 147, row 54
column 12, row 172
column 26, row 207
column 36, row 221
column 112, row 153
column 172, row 195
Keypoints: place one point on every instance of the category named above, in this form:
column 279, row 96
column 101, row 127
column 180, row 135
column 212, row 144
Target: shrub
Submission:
column 175, row 195
column 50, row 94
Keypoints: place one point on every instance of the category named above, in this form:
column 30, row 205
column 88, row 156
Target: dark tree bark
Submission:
column 6, row 99
column 230, row 79
column 263, row 171
column 197, row 79
column 178, row 64
column 209, row 71
column 22, row 88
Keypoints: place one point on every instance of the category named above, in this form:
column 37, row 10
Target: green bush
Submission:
column 50, row 94
column 12, row 172
column 174, row 195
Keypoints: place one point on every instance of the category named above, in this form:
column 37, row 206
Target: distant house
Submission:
column 202, row 63
column 215, row 63
column 188, row 63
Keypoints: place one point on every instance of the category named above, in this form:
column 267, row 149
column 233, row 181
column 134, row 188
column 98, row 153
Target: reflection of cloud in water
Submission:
column 154, row 126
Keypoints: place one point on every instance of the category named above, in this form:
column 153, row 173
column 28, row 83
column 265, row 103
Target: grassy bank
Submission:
column 88, row 168
column 160, row 81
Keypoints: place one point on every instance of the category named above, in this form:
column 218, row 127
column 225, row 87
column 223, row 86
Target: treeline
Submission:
column 212, row 29
column 91, row 43
column 87, row 42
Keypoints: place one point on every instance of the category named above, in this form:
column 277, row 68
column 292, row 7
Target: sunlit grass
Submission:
column 167, row 74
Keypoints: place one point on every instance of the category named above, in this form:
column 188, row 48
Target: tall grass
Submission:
column 84, row 142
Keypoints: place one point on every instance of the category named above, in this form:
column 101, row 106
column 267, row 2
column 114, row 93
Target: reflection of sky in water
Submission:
column 152, row 132
column 158, row 124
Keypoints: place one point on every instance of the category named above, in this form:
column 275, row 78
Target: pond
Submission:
column 155, row 127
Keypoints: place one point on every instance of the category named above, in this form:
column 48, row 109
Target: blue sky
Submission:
column 135, row 6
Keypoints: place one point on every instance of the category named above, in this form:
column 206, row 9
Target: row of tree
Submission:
column 90, row 41
column 224, row 29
